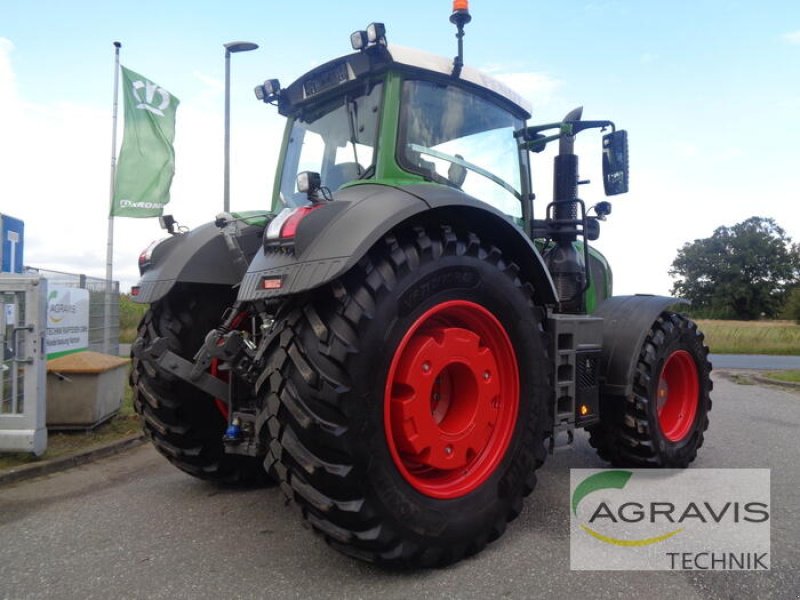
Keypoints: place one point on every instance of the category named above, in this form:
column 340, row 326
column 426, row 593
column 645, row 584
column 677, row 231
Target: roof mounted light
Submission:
column 374, row 35
column 460, row 12
column 359, row 40
column 459, row 18
column 268, row 91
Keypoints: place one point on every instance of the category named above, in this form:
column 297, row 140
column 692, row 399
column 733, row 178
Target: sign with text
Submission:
column 12, row 244
column 670, row 519
column 67, row 321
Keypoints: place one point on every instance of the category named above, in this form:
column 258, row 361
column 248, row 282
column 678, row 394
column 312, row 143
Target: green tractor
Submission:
column 400, row 339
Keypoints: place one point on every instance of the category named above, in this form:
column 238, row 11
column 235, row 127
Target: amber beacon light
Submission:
column 459, row 18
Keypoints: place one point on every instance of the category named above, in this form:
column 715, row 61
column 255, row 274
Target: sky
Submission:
column 709, row 91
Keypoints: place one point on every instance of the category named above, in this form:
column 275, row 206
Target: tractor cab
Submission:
column 400, row 117
column 393, row 115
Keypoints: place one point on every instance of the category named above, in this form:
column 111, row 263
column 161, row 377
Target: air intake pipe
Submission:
column 565, row 263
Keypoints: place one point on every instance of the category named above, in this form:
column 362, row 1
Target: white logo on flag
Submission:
column 150, row 92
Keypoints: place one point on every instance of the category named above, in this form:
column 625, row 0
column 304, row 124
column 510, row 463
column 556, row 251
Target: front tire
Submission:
column 662, row 424
column 407, row 401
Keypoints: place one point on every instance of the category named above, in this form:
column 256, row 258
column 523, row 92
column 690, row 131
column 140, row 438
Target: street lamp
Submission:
column 229, row 48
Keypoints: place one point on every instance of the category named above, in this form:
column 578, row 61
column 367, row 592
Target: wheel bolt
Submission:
column 486, row 375
column 426, row 367
column 448, row 450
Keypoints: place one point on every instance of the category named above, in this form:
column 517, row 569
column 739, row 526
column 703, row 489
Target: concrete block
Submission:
column 84, row 389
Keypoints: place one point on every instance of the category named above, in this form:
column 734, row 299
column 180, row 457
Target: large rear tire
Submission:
column 407, row 402
column 184, row 424
column 663, row 423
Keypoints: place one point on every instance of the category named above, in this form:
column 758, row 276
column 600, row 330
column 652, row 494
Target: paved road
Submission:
column 761, row 362
column 720, row 361
column 134, row 527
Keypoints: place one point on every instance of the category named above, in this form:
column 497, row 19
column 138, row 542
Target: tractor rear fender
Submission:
column 626, row 323
column 202, row 255
column 332, row 239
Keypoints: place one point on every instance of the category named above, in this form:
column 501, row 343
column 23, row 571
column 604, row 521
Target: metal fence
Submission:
column 99, row 302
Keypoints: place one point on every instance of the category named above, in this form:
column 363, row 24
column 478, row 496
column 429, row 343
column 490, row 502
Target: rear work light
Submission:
column 284, row 226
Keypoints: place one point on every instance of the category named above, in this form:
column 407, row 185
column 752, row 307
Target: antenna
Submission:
column 459, row 18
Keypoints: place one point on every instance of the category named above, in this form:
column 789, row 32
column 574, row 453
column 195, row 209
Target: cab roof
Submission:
column 420, row 59
column 326, row 79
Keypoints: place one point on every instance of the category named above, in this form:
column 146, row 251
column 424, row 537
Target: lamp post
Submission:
column 230, row 47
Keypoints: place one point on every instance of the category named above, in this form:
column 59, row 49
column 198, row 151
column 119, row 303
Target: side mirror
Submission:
column 615, row 162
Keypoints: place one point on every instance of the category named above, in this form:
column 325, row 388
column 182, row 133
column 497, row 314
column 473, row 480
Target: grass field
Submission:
column 790, row 376
column 752, row 337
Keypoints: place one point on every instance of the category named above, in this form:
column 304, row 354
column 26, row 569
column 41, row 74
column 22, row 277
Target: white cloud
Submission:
column 793, row 37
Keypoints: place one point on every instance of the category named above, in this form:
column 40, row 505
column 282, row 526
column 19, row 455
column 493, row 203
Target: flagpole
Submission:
column 110, row 243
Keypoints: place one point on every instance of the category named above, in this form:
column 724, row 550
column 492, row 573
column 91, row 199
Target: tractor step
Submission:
column 576, row 343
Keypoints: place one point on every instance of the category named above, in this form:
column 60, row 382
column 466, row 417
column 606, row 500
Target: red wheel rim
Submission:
column 451, row 399
column 677, row 395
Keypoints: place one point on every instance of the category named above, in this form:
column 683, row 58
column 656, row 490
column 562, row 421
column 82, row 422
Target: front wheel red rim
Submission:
column 677, row 395
column 451, row 399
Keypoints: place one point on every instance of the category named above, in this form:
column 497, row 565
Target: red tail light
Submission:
column 146, row 257
column 284, row 225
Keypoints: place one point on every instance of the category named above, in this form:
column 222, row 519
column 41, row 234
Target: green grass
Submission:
column 130, row 314
column 752, row 337
column 125, row 423
column 791, row 376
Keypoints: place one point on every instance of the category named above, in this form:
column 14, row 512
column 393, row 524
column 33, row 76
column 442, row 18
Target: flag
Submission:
column 147, row 159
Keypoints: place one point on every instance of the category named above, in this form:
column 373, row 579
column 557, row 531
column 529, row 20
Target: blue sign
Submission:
column 13, row 232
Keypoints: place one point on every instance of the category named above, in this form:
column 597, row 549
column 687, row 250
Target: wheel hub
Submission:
column 451, row 399
column 677, row 395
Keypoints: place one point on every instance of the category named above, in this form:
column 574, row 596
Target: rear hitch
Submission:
column 158, row 356
column 231, row 348
column 240, row 436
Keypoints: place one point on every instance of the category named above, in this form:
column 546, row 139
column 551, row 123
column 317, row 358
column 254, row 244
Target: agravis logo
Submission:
column 670, row 519
column 612, row 480
column 60, row 307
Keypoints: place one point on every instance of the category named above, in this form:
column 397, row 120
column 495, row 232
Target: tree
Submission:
column 791, row 309
column 742, row 272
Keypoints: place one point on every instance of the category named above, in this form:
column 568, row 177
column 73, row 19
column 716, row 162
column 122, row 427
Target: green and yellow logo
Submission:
column 604, row 481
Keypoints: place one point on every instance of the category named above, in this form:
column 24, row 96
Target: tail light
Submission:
column 146, row 257
column 284, row 226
